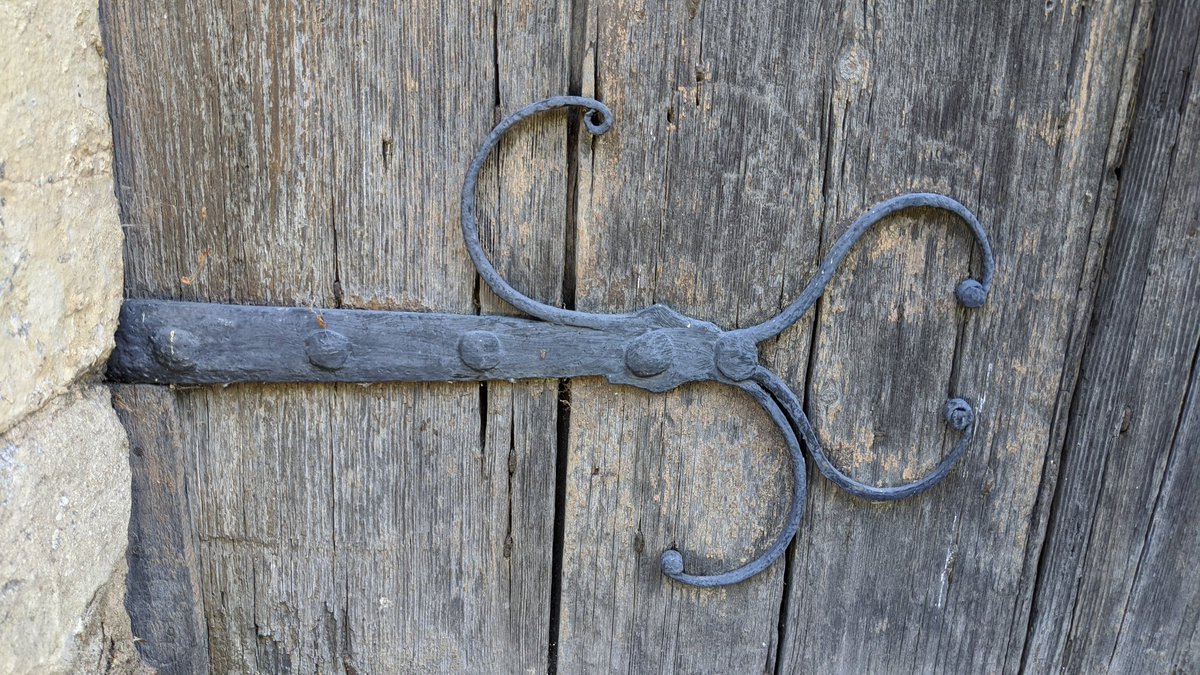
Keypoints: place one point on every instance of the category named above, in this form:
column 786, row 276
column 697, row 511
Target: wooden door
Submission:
column 310, row 153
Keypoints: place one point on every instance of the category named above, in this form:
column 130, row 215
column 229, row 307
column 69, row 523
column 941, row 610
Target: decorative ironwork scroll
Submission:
column 656, row 348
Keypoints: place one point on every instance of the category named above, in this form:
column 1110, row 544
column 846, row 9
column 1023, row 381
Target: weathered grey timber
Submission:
column 315, row 151
column 1034, row 93
column 1118, row 588
column 396, row 527
column 165, row 604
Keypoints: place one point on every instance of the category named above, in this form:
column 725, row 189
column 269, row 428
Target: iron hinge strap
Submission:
column 657, row 349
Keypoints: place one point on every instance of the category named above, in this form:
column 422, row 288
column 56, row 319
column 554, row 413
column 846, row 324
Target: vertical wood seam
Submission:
column 826, row 144
column 562, row 435
column 575, row 56
column 337, row 265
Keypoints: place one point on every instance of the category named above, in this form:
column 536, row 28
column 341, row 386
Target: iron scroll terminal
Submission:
column 731, row 357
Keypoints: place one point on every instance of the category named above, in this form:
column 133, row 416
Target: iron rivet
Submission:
column 480, row 350
column 650, row 354
column 736, row 357
column 175, row 348
column 327, row 349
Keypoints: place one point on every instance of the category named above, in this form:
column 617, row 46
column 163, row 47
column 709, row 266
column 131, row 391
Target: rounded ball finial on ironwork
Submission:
column 970, row 293
column 959, row 414
column 672, row 562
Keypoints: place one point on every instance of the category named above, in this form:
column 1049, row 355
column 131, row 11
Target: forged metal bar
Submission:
column 170, row 342
column 656, row 349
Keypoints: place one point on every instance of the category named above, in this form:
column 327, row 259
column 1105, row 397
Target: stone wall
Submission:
column 64, row 472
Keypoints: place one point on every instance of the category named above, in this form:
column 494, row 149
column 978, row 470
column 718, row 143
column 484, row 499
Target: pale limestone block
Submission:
column 64, row 514
column 60, row 236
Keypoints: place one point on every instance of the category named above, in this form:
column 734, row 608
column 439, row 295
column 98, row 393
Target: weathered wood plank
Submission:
column 1009, row 107
column 1117, row 589
column 690, row 200
column 527, row 246
column 1160, row 622
column 311, row 154
column 163, row 590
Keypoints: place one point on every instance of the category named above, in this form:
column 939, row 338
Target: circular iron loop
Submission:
column 766, row 388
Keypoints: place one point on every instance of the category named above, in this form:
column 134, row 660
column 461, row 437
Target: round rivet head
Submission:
column 480, row 350
column 650, row 354
column 176, row 349
column 736, row 357
column 970, row 293
column 327, row 349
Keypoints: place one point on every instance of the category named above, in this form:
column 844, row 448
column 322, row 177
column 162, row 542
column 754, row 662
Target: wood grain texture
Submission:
column 873, row 130
column 1114, row 592
column 908, row 585
column 674, row 206
column 312, row 154
column 163, row 589
column 524, row 238
column 1160, row 621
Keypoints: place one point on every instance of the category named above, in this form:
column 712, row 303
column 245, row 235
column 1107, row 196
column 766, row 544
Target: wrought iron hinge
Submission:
column 656, row 349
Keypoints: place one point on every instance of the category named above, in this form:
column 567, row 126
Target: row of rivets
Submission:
column 653, row 353
column 648, row 355
column 177, row 349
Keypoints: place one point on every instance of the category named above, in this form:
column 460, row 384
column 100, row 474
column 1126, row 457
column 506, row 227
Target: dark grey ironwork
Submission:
column 656, row 349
